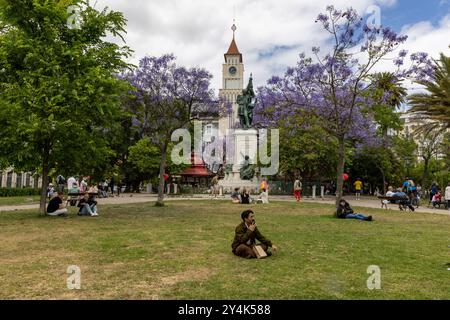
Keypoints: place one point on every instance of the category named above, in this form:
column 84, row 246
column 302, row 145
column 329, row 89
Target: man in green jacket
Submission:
column 246, row 234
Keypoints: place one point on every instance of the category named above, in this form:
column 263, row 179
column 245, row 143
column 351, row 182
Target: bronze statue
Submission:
column 247, row 170
column 246, row 103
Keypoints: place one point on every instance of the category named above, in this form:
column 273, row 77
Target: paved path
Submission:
column 365, row 202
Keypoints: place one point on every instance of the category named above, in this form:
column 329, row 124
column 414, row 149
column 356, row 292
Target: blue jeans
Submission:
column 358, row 216
column 88, row 210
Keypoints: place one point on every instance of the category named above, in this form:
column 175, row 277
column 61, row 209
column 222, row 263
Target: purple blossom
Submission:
column 403, row 53
column 167, row 97
column 398, row 62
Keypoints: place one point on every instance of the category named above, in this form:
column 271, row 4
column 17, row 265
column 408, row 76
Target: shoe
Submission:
column 94, row 214
column 369, row 218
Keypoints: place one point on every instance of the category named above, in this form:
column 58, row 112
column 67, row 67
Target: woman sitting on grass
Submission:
column 236, row 196
column 344, row 211
column 88, row 206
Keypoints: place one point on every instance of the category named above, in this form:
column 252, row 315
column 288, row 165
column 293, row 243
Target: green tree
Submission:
column 429, row 146
column 59, row 85
column 388, row 95
column 435, row 104
column 306, row 149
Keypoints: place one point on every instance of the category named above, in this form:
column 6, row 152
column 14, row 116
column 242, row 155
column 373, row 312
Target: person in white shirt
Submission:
column 447, row 196
column 70, row 182
column 264, row 196
column 389, row 193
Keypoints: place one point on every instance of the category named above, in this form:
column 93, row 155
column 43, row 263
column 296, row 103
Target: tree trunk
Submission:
column 340, row 170
column 43, row 200
column 160, row 201
column 384, row 180
column 424, row 179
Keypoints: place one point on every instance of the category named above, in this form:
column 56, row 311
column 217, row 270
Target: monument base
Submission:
column 245, row 144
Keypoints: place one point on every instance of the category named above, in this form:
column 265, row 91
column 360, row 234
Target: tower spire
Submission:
column 233, row 27
column 233, row 49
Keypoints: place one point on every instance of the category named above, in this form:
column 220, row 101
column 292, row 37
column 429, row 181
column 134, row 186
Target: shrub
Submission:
column 18, row 192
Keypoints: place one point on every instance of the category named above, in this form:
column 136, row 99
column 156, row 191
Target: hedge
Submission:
column 18, row 192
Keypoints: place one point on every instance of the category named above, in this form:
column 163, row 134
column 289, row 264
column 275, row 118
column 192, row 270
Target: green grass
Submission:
column 182, row 251
column 13, row 201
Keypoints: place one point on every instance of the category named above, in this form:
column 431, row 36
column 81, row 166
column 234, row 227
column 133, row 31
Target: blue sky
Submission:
column 412, row 11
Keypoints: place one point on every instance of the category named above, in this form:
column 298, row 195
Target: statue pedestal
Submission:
column 245, row 144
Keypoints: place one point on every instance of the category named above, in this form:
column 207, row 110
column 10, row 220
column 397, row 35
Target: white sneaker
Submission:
column 94, row 214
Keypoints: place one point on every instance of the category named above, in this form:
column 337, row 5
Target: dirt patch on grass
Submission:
column 189, row 275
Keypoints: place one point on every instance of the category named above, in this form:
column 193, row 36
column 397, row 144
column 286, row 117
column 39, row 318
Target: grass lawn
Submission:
column 12, row 201
column 182, row 251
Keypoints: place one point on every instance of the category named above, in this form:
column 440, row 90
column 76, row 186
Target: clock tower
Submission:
column 232, row 83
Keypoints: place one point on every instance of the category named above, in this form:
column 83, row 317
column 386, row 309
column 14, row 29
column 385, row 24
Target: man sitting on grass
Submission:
column 246, row 234
column 344, row 211
column 56, row 207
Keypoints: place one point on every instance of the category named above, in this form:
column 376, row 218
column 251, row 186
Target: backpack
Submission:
column 61, row 180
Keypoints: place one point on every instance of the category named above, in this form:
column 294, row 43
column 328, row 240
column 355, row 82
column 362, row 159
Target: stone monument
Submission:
column 243, row 170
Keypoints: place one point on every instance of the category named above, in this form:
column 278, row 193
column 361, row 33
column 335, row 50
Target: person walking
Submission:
column 447, row 195
column 215, row 186
column 358, row 187
column 433, row 191
column 298, row 189
column 61, row 182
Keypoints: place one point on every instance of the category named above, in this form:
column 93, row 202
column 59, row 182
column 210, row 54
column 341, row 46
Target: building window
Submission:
column 19, row 180
column 9, row 180
column 27, row 180
column 36, row 182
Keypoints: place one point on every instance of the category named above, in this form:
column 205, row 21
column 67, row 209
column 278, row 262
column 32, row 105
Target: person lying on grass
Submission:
column 246, row 234
column 344, row 211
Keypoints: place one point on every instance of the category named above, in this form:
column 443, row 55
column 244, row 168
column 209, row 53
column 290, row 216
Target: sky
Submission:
column 270, row 33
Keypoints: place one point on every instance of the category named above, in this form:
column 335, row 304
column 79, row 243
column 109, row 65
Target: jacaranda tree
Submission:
column 167, row 97
column 333, row 86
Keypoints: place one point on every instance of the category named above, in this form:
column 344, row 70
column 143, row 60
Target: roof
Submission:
column 198, row 168
column 233, row 50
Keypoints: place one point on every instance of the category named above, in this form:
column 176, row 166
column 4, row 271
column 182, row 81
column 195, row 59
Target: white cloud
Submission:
column 198, row 31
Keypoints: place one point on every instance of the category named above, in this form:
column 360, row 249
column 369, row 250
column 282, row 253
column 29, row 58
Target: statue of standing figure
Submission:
column 246, row 103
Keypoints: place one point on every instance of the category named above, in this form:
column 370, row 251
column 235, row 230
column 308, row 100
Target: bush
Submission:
column 18, row 192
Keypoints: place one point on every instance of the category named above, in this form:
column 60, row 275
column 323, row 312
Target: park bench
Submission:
column 403, row 204
column 441, row 203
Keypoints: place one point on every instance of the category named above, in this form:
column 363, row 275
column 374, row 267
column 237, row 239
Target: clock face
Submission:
column 232, row 70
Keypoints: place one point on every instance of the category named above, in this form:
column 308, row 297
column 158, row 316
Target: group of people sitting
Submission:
column 438, row 199
column 398, row 197
column 243, row 197
column 87, row 205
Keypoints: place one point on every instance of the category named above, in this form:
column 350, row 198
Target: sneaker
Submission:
column 369, row 218
column 94, row 214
